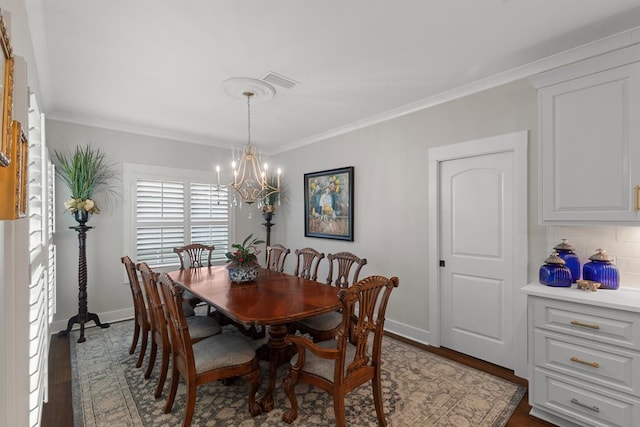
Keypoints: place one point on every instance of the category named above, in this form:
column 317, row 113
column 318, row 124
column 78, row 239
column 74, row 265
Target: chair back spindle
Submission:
column 276, row 255
column 307, row 263
column 344, row 261
column 194, row 254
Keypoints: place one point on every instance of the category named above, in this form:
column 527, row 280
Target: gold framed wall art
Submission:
column 6, row 91
column 13, row 178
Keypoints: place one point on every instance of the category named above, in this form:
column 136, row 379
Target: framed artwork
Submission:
column 328, row 204
column 13, row 178
column 6, row 91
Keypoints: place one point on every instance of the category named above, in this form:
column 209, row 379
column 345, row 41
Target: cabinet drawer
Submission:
column 585, row 321
column 580, row 401
column 611, row 367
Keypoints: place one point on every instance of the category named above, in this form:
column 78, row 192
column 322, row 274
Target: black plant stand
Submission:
column 268, row 216
column 83, row 315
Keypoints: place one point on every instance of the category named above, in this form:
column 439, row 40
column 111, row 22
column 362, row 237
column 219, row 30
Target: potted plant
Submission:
column 243, row 261
column 85, row 173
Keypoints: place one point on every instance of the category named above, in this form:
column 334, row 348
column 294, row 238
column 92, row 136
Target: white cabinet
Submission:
column 590, row 139
column 584, row 356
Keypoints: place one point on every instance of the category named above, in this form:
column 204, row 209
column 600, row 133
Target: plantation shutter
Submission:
column 51, row 248
column 41, row 256
column 160, row 211
column 210, row 218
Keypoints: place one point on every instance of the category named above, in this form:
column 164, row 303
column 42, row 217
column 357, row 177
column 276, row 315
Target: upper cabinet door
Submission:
column 590, row 143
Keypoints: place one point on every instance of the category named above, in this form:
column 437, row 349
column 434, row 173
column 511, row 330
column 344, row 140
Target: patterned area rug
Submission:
column 419, row 388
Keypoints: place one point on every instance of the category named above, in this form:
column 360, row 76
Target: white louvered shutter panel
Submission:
column 210, row 218
column 51, row 250
column 39, row 247
column 160, row 210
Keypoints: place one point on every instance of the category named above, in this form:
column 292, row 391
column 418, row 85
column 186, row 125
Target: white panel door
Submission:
column 477, row 214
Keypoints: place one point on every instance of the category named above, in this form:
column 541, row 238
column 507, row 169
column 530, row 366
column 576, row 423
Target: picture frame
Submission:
column 13, row 178
column 6, row 80
column 328, row 204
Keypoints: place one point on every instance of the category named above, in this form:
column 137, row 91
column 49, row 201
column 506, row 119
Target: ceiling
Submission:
column 156, row 66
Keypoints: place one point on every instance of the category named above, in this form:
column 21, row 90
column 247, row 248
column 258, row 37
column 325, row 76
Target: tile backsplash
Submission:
column 621, row 243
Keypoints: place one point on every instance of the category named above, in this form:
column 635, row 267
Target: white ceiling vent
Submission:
column 280, row 80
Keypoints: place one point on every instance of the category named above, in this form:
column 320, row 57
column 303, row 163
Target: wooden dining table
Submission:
column 273, row 300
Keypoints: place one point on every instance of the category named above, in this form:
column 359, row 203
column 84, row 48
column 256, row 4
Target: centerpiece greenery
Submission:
column 243, row 262
column 85, row 172
column 245, row 254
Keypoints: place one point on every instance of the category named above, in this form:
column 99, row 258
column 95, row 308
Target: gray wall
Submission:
column 391, row 182
column 391, row 201
column 108, row 291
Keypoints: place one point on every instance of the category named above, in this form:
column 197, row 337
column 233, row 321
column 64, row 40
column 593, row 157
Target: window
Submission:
column 170, row 208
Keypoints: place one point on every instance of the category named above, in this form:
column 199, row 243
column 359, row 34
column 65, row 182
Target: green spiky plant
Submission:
column 85, row 173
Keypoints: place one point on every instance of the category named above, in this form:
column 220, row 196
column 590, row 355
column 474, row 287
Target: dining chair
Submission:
column 141, row 317
column 194, row 253
column 214, row 358
column 199, row 327
column 191, row 256
column 338, row 366
column 307, row 263
column 276, row 255
column 325, row 326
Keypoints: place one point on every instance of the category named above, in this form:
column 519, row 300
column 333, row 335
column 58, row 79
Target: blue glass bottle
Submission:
column 602, row 270
column 566, row 252
column 554, row 272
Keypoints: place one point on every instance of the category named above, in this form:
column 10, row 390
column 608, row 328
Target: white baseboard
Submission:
column 107, row 317
column 410, row 332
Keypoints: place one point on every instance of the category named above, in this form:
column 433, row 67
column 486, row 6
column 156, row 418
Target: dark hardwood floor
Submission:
column 58, row 412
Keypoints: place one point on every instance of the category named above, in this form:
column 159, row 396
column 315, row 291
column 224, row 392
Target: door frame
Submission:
column 516, row 143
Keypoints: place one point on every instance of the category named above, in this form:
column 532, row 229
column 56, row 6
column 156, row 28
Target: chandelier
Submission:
column 251, row 182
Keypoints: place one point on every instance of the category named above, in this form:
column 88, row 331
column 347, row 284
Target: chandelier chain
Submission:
column 249, row 95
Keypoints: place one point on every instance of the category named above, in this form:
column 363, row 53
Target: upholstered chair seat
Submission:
column 322, row 322
column 202, row 327
column 221, row 351
column 324, row 368
column 188, row 310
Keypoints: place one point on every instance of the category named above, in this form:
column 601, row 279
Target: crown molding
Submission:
column 135, row 129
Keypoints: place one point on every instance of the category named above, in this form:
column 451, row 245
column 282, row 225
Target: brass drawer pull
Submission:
column 591, row 408
column 584, row 325
column 637, row 189
column 577, row 360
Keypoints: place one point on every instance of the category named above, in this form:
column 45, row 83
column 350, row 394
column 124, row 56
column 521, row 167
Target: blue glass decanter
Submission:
column 566, row 252
column 554, row 272
column 602, row 270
